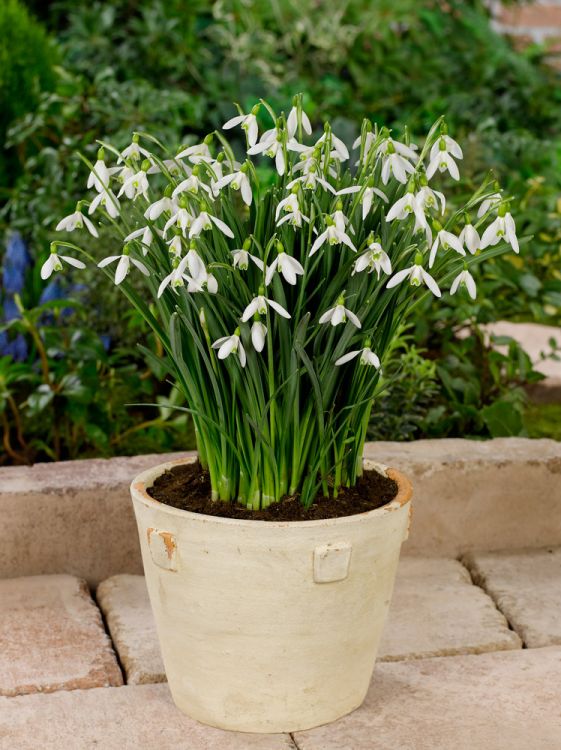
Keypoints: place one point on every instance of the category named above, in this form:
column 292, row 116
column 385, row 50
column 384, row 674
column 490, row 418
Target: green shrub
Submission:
column 26, row 69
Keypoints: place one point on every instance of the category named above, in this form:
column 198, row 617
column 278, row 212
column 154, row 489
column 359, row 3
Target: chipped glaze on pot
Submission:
column 269, row 626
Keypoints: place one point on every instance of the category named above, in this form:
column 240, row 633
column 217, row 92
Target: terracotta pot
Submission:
column 269, row 626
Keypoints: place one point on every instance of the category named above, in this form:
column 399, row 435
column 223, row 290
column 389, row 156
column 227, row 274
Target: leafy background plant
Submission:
column 175, row 66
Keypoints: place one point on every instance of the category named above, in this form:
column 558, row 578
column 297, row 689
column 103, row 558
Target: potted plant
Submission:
column 277, row 286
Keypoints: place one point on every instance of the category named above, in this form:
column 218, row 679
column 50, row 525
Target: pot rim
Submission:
column 146, row 478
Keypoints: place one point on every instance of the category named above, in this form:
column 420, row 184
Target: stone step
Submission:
column 135, row 717
column 435, row 611
column 526, row 587
column 507, row 700
column 52, row 637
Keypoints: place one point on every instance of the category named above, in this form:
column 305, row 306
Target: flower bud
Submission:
column 247, row 244
column 418, row 259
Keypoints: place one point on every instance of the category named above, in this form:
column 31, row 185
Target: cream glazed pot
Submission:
column 269, row 626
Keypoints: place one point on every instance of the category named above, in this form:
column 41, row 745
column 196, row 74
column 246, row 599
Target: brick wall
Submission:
column 538, row 22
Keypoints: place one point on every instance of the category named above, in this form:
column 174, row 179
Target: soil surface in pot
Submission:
column 187, row 487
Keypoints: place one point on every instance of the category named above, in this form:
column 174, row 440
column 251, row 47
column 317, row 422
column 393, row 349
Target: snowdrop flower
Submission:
column 101, row 174
column 146, row 238
column 398, row 166
column 54, row 263
column 416, row 275
column 390, row 146
column 367, row 357
column 231, row 345
column 237, row 181
column 135, row 185
column 374, row 259
column 503, row 228
column 109, row 201
column 339, row 314
column 429, row 198
column 404, row 207
column 310, row 181
column 247, row 123
column 191, row 185
column 447, row 241
column 271, row 144
column 204, row 281
column 77, row 220
column 333, row 236
column 173, row 167
column 176, row 246
column 367, row 197
column 258, row 334
column 134, row 151
column 197, row 153
column 341, row 151
column 488, row 204
column 181, row 219
column 259, row 305
column 176, row 278
column 123, row 266
column 155, row 210
column 293, row 215
column 204, row 222
column 445, row 143
column 469, row 237
column 292, row 122
column 464, row 279
column 287, row 266
column 196, row 266
column 443, row 160
column 241, row 258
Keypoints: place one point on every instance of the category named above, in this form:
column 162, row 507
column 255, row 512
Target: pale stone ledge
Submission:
column 76, row 517
column 139, row 717
column 52, row 638
column 526, row 587
column 507, row 700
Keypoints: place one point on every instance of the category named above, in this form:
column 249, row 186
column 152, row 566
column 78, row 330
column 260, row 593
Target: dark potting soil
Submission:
column 188, row 487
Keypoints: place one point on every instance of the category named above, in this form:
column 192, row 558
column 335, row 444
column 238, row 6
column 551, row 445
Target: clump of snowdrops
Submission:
column 278, row 303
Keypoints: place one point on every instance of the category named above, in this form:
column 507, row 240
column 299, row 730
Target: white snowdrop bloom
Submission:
column 191, row 185
column 247, row 123
column 397, row 165
column 123, row 266
column 204, row 222
column 155, row 210
column 447, row 241
column 367, row 357
column 54, row 264
column 390, row 146
column 135, row 185
column 77, row 220
column 445, row 143
column 341, row 151
column 288, row 204
column 374, row 259
column 231, row 345
column 488, row 204
column 176, row 246
column 368, row 141
column 133, row 152
column 203, row 282
column 429, row 198
column 259, row 305
column 109, row 201
column 197, row 153
column 292, row 122
column 100, row 175
column 241, row 258
column 176, row 278
column 464, row 279
column 333, row 236
column 175, row 168
column 258, row 334
column 146, row 237
column 416, row 275
column 443, row 161
column 469, row 237
column 367, row 196
column 310, row 181
column 340, row 314
column 181, row 219
column 237, row 181
column 293, row 213
column 287, row 266
column 340, row 220
column 503, row 228
column 405, row 207
column 271, row 144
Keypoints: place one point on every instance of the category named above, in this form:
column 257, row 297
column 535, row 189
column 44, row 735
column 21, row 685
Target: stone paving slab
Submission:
column 526, row 587
column 437, row 611
column 52, row 637
column 124, row 602
column 135, row 717
column 508, row 700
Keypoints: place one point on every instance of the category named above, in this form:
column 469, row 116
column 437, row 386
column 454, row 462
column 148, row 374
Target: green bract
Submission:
column 279, row 300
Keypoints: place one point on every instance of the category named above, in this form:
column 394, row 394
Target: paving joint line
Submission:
column 93, row 594
column 293, row 738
